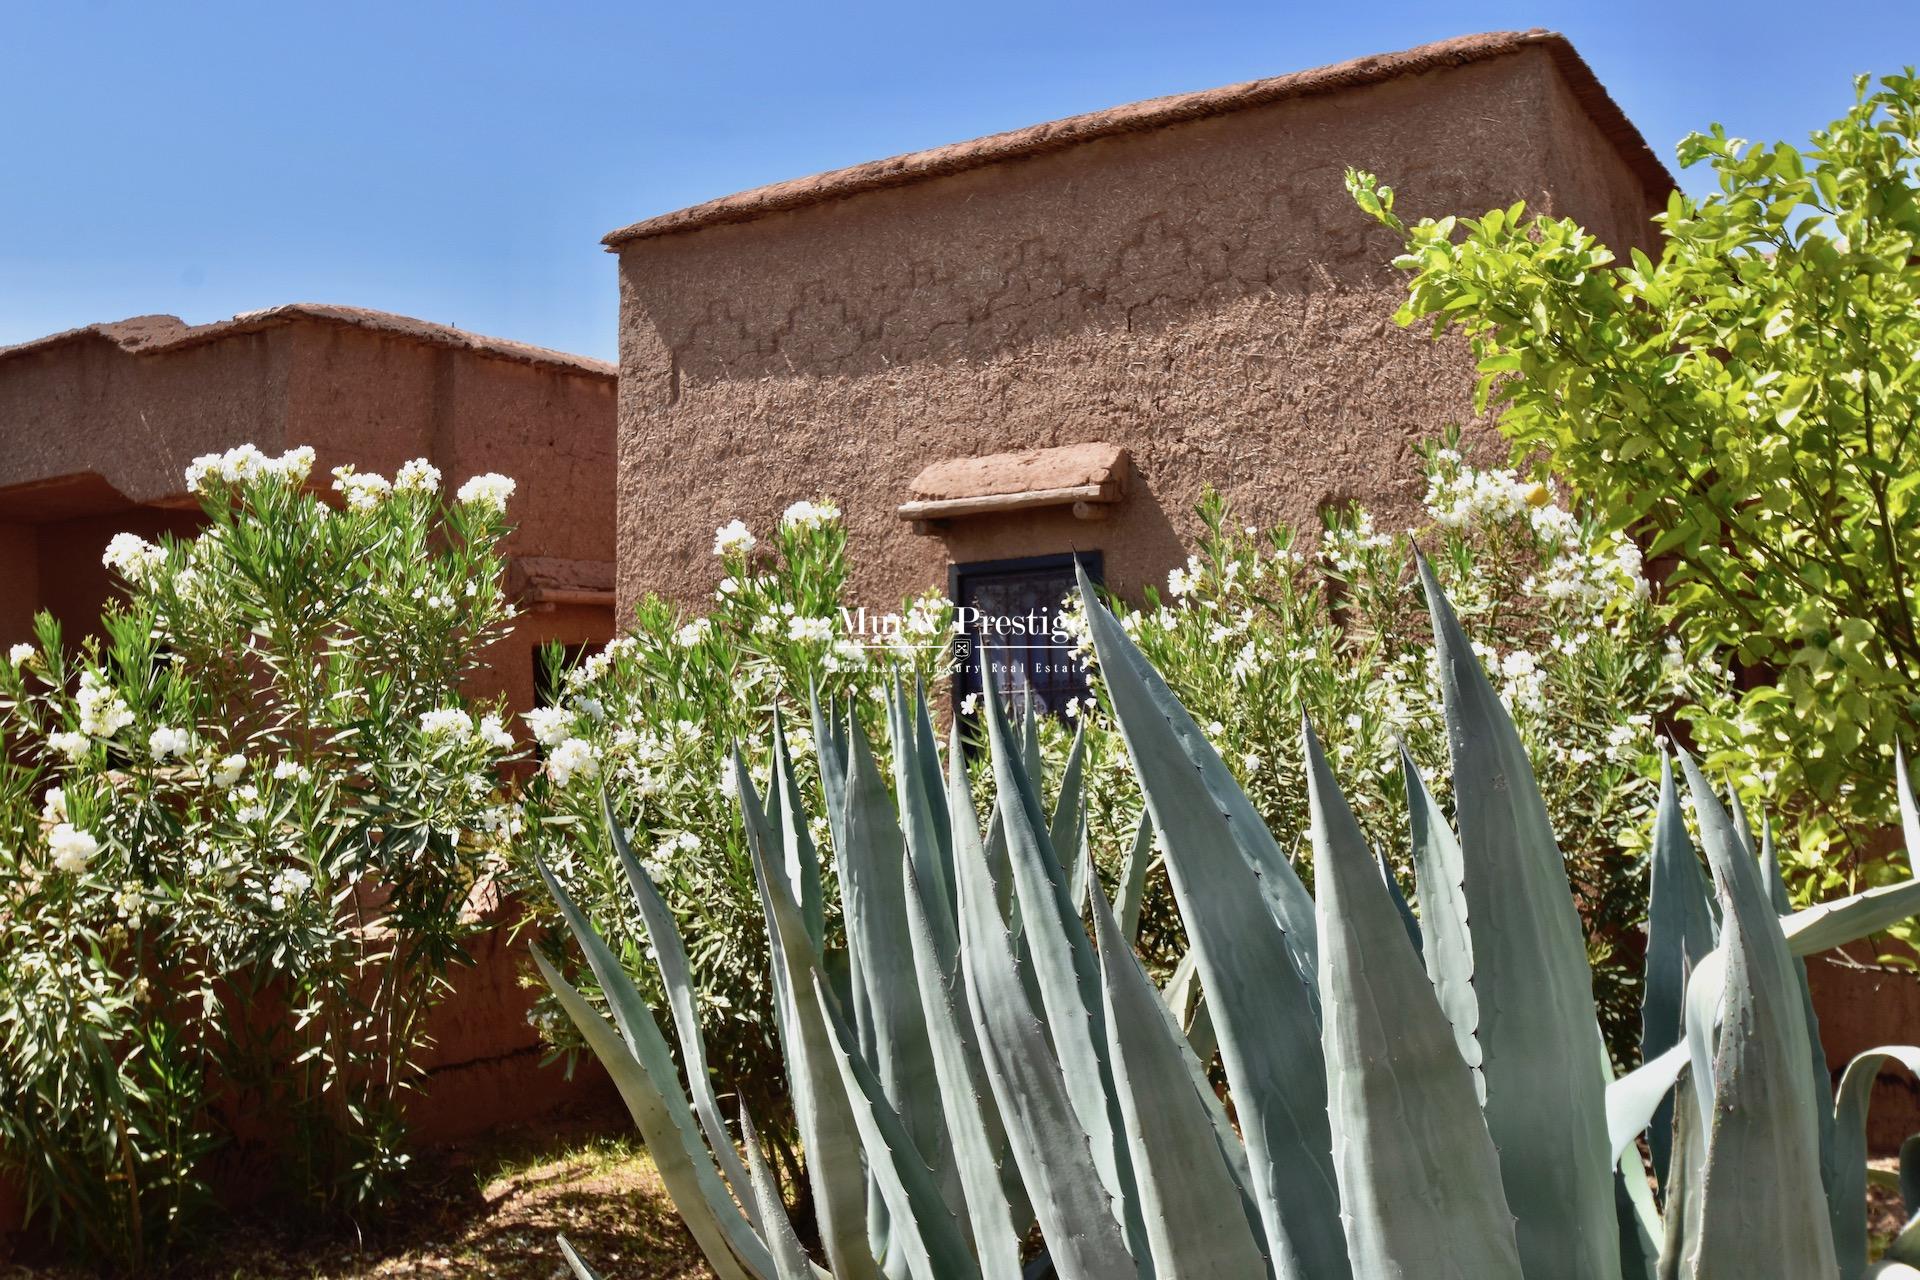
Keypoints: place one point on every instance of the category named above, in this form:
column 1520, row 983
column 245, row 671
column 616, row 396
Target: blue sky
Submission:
column 459, row 162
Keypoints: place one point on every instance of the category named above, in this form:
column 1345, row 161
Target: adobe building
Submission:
column 1181, row 288
column 97, row 426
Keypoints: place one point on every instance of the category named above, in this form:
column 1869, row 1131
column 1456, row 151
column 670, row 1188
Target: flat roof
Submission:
column 1156, row 113
column 150, row 335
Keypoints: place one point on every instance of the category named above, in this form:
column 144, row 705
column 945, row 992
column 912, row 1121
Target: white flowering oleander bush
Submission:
column 239, row 836
column 652, row 719
column 1256, row 629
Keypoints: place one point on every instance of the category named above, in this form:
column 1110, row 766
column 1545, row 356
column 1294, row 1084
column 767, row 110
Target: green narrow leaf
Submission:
column 873, row 900
column 1685, row 1184
column 1044, row 1133
column 1439, row 875
column 670, row 958
column 1066, row 967
column 1133, row 876
column 1546, row 1094
column 796, row 842
column 1762, row 1212
column 828, row 1131
column 1067, row 829
column 789, row 1258
column 1262, row 1012
column 1401, row 906
column 1420, row 1188
column 574, row 1263
column 1817, row 1074
column 927, row 755
column 921, row 1223
column 979, row 1140
column 1680, row 932
column 1196, row 1215
column 679, row 1170
column 917, row 805
column 1275, row 879
column 1848, row 1203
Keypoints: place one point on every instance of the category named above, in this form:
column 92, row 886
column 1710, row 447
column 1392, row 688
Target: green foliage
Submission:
column 1255, row 630
column 1091, row 1111
column 1745, row 405
column 652, row 720
column 238, row 837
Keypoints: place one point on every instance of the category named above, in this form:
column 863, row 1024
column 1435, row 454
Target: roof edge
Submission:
column 1154, row 113
column 152, row 335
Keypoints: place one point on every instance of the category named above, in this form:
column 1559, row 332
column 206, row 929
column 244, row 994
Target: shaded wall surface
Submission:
column 98, row 426
column 1203, row 293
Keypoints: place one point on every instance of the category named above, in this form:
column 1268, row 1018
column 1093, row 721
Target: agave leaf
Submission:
column 1186, row 1001
column 1044, row 1133
column 830, row 746
column 1196, row 1215
column 1680, row 931
column 579, row 1268
column 927, row 756
column 1763, row 1200
column 828, row 1130
column 789, row 1258
column 1685, row 1185
column 1401, row 906
column 1910, row 1175
column 1848, row 1203
column 1546, row 1093
column 1634, row 1100
column 1275, row 879
column 873, row 899
column 1439, row 875
column 979, row 1139
column 1818, row 1075
column 1420, row 1189
column 670, row 958
column 918, row 803
column 1891, row 1271
column 1827, row 925
column 796, row 842
column 1638, row 1218
column 1070, row 806
column 1262, row 1013
column 921, row 1223
column 1067, row 969
column 1133, row 877
column 698, row 1203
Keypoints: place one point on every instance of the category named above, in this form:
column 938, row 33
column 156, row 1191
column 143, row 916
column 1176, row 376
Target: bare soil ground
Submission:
column 486, row 1211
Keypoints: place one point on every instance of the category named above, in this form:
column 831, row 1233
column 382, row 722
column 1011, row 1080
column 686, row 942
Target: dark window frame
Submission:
column 960, row 574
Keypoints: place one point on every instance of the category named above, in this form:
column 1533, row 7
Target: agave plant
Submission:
column 1413, row 1093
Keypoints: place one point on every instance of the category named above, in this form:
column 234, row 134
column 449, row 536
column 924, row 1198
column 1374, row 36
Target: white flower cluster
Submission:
column 103, row 712
column 1346, row 548
column 490, row 491
column 809, row 630
column 448, row 722
column 72, row 848
column 245, row 463
column 20, row 654
column 732, row 537
column 228, row 771
column 550, row 725
column 288, row 884
column 693, row 633
column 167, row 743
column 574, row 756
column 1460, row 496
column 805, row 515
column 363, row 491
column 418, row 476
column 132, row 556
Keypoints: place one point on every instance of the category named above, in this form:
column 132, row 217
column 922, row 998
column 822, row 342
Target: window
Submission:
column 551, row 663
column 1006, row 609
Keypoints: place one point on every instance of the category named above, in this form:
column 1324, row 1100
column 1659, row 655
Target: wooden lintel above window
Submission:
column 1089, row 478
column 544, row 582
